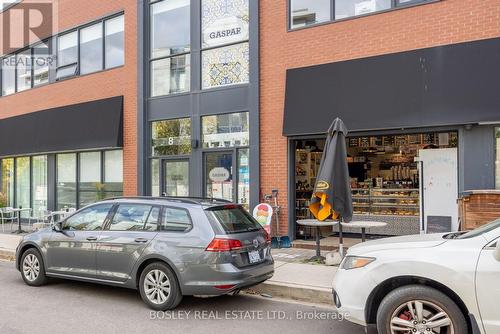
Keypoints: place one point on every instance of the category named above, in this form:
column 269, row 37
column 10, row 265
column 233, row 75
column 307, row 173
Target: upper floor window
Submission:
column 170, row 42
column 225, row 34
column 84, row 50
column 91, row 49
column 307, row 12
column 114, row 42
column 310, row 12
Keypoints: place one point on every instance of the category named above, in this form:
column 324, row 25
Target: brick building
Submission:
column 404, row 76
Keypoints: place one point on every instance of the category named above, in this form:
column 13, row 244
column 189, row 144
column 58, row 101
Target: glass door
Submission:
column 219, row 181
column 175, row 176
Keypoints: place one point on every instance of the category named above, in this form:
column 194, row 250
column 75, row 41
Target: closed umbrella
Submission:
column 332, row 191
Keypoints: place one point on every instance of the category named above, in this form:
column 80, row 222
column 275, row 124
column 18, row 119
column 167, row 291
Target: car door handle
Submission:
column 91, row 238
column 142, row 240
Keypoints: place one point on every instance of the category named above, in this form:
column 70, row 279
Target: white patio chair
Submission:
column 7, row 215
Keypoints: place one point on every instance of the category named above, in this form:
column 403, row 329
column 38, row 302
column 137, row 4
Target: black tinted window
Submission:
column 130, row 217
column 233, row 219
column 175, row 220
column 89, row 219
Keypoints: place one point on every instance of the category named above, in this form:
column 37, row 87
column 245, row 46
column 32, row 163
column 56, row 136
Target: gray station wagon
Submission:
column 165, row 247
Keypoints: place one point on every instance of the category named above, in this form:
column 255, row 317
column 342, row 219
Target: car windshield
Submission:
column 233, row 219
column 481, row 230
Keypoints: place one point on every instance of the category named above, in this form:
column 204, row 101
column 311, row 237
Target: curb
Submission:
column 304, row 293
column 7, row 255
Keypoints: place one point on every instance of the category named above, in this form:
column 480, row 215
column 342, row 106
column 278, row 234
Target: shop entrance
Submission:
column 175, row 177
column 385, row 177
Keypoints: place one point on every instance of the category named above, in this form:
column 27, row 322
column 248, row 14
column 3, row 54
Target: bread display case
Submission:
column 382, row 201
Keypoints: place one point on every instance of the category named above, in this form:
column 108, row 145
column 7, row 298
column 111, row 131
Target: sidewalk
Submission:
column 8, row 245
column 303, row 282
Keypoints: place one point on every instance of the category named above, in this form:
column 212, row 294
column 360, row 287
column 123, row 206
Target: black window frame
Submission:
column 152, row 59
column 395, row 5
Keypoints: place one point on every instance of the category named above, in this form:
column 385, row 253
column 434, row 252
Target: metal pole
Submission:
column 341, row 239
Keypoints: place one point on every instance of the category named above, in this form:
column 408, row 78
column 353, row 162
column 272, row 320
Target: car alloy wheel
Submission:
column 419, row 316
column 31, row 267
column 157, row 286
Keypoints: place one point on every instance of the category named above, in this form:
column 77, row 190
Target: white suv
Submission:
column 435, row 283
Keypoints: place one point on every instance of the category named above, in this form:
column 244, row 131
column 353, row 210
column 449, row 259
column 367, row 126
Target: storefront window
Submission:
column 66, row 181
column 39, row 184
column 91, row 49
column 307, row 12
column 113, row 173
column 497, row 162
column 172, row 137
column 219, row 175
column 8, row 180
column 243, row 178
column 23, row 183
column 223, row 25
column 226, row 130
column 90, row 187
column 155, row 177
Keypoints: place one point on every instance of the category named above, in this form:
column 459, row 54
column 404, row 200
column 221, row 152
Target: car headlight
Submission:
column 354, row 262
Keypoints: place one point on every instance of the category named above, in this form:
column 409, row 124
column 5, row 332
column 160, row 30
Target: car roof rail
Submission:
column 183, row 199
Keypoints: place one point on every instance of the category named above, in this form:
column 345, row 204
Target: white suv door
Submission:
column 488, row 288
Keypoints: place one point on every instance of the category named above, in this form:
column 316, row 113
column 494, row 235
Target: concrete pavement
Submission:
column 75, row 307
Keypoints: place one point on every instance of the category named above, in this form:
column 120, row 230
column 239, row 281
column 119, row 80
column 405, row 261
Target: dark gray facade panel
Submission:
column 224, row 101
column 89, row 125
column 478, row 162
column 176, row 106
column 141, row 119
column 439, row 86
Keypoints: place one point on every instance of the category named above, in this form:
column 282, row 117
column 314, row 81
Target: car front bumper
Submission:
column 351, row 289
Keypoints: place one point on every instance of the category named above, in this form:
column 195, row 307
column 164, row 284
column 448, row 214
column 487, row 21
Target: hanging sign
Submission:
column 219, row 174
column 263, row 213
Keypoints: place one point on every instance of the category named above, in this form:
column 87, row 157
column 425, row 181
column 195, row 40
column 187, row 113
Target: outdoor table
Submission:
column 60, row 213
column 363, row 225
column 318, row 224
column 19, row 210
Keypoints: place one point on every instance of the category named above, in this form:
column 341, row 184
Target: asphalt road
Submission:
column 75, row 307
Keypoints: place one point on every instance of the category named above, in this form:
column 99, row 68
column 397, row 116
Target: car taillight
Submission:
column 268, row 237
column 223, row 245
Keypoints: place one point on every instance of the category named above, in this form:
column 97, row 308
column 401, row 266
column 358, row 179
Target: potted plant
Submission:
column 3, row 200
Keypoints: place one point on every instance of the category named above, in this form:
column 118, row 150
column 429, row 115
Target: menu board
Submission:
column 401, row 140
column 353, row 142
column 388, row 140
column 364, row 142
column 428, row 138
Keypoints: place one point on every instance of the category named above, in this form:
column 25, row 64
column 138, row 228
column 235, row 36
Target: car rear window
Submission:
column 233, row 219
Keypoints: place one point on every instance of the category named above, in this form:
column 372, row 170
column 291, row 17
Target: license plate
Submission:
column 254, row 256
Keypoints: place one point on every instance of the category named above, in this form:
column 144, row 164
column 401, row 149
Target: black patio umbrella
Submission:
column 332, row 192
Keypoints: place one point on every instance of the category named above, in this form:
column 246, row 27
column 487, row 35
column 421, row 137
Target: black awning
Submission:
column 439, row 86
column 89, row 125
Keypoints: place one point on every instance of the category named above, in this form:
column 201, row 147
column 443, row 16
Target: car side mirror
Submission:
column 58, row 227
column 496, row 254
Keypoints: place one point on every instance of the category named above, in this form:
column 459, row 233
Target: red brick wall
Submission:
column 441, row 23
column 113, row 82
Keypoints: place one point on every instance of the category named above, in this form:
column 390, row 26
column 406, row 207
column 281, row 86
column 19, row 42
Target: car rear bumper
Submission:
column 230, row 277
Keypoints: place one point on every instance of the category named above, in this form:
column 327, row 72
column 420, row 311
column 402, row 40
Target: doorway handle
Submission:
column 142, row 240
column 92, row 239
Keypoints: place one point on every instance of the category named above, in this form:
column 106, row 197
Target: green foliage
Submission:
column 3, row 200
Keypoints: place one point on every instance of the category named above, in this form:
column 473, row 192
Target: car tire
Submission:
column 159, row 287
column 32, row 268
column 394, row 308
